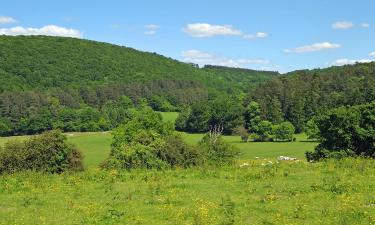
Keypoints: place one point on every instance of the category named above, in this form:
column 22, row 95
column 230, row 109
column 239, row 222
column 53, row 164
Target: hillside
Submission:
column 43, row 78
column 39, row 62
column 300, row 95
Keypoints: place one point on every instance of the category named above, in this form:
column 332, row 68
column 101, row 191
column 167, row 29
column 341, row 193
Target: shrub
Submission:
column 284, row 131
column 264, row 131
column 242, row 132
column 48, row 152
column 217, row 151
column 148, row 142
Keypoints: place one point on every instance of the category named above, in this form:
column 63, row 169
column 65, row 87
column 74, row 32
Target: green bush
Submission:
column 147, row 142
column 346, row 131
column 264, row 131
column 242, row 132
column 48, row 152
column 217, row 151
column 284, row 131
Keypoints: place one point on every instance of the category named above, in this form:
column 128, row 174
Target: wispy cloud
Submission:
column 342, row 25
column 313, row 48
column 50, row 30
column 256, row 35
column 200, row 30
column 151, row 29
column 204, row 30
column 205, row 58
column 7, row 20
column 365, row 25
column 372, row 54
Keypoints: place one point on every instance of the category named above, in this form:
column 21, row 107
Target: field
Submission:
column 263, row 191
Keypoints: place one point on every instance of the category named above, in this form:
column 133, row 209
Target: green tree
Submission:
column 346, row 131
column 264, row 131
column 252, row 116
column 284, row 131
column 312, row 130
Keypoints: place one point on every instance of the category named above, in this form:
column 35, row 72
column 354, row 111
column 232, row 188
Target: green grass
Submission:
column 169, row 116
column 262, row 192
column 94, row 146
column 341, row 192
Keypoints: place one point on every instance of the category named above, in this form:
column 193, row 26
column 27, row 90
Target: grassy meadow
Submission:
column 262, row 191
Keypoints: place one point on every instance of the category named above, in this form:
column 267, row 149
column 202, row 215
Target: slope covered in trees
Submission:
column 299, row 96
column 81, row 85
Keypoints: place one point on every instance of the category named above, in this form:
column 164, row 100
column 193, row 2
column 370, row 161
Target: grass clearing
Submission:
column 332, row 192
column 341, row 192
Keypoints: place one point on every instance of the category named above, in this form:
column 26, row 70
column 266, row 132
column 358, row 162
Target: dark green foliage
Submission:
column 299, row 96
column 198, row 119
column 283, row 131
column 161, row 104
column 224, row 111
column 146, row 141
column 346, row 131
column 48, row 152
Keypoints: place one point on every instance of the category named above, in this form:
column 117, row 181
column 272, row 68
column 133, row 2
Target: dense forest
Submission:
column 81, row 85
column 301, row 95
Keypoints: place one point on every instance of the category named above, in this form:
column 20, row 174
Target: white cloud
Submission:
column 365, row 25
column 151, row 29
column 6, row 20
column 372, row 54
column 257, row 35
column 150, row 32
column 313, row 48
column 342, row 25
column 344, row 61
column 50, row 30
column 200, row 30
column 205, row 58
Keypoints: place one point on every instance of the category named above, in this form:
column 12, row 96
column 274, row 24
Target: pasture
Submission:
column 258, row 190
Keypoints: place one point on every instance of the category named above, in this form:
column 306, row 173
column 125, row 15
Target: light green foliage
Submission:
column 146, row 141
column 264, row 131
column 283, row 131
column 252, row 116
column 242, row 132
column 217, row 151
column 312, row 130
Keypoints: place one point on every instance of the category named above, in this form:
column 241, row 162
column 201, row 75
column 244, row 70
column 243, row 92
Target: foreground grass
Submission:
column 341, row 192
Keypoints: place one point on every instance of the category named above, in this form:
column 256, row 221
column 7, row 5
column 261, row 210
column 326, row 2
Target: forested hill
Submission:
column 80, row 85
column 300, row 95
column 40, row 62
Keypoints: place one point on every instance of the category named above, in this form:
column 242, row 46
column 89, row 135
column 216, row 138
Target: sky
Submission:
column 277, row 35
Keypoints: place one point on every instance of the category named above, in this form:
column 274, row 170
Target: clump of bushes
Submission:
column 283, row 131
column 344, row 132
column 146, row 141
column 217, row 152
column 48, row 152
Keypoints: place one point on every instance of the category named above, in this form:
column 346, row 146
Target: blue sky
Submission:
column 281, row 35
